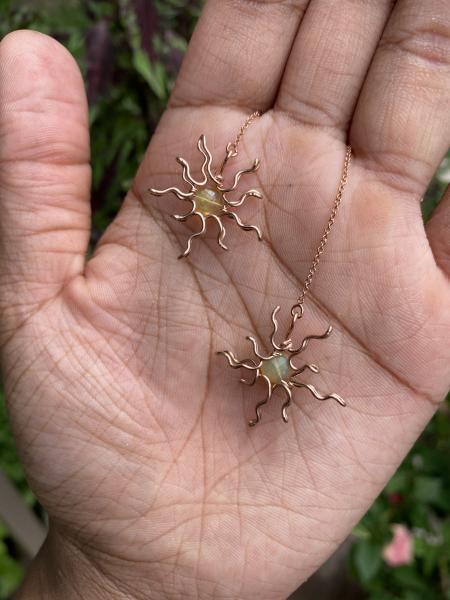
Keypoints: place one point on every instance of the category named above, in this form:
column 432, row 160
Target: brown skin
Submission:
column 132, row 431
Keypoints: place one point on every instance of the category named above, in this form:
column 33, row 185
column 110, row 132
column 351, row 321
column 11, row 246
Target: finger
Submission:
column 401, row 127
column 238, row 53
column 329, row 61
column 44, row 171
column 438, row 231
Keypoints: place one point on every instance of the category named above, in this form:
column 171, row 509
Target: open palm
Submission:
column 132, row 430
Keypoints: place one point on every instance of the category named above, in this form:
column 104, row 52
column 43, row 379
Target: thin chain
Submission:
column 324, row 240
column 232, row 147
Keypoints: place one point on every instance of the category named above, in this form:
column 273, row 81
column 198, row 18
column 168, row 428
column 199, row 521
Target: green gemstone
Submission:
column 208, row 202
column 277, row 369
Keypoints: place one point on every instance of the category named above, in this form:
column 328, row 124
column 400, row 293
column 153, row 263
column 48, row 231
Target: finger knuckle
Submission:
column 298, row 6
column 427, row 43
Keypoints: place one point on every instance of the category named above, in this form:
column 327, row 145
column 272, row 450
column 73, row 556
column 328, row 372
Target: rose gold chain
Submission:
column 323, row 242
column 232, row 150
column 232, row 147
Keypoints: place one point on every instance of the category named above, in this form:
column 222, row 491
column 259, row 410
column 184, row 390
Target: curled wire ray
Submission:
column 187, row 175
column 258, row 407
column 238, row 176
column 243, row 225
column 208, row 160
column 287, row 403
column 247, row 363
column 251, row 382
column 207, row 195
column 275, row 328
column 318, row 395
column 312, row 368
column 243, row 198
column 222, row 232
column 256, row 349
column 172, row 190
column 278, row 368
column 194, row 235
column 308, row 338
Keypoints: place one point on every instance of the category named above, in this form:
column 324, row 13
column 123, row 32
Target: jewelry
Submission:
column 208, row 197
column 278, row 368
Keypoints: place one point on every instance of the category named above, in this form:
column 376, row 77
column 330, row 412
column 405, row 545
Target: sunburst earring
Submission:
column 209, row 196
column 277, row 369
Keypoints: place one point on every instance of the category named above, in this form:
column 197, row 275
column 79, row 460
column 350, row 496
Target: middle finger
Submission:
column 329, row 61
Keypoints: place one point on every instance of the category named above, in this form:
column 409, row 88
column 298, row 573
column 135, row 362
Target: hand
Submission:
column 132, row 430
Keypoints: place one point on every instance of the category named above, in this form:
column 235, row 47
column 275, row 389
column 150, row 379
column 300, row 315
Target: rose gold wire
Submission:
column 285, row 347
column 326, row 233
column 288, row 382
column 232, row 147
column 216, row 180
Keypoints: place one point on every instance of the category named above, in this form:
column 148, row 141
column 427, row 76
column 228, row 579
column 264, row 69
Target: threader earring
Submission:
column 209, row 200
column 209, row 197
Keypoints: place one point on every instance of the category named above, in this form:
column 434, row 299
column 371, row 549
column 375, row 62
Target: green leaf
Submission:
column 11, row 574
column 367, row 560
column 430, row 555
column 408, row 578
column 153, row 75
column 398, row 483
column 427, row 489
column 413, row 595
column 361, row 532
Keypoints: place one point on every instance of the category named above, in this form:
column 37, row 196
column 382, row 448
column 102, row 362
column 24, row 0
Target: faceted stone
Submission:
column 276, row 369
column 208, row 202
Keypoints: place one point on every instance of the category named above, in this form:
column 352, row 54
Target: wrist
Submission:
column 62, row 571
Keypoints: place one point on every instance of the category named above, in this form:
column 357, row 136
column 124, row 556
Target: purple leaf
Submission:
column 147, row 21
column 100, row 60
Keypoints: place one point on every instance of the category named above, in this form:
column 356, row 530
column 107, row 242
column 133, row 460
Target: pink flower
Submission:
column 400, row 549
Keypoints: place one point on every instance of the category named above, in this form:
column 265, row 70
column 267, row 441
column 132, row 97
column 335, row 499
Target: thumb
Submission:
column 44, row 173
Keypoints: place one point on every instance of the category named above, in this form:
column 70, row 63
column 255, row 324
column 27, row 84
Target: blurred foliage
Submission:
column 10, row 570
column 9, row 461
column 437, row 188
column 418, row 496
column 129, row 52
